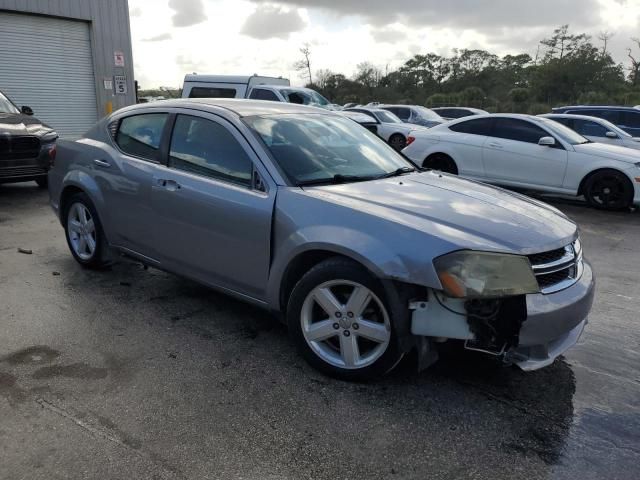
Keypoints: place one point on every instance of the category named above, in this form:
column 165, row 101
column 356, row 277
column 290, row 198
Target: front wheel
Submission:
column 339, row 318
column 609, row 190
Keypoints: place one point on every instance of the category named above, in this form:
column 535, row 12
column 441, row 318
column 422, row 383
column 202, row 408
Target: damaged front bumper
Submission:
column 553, row 323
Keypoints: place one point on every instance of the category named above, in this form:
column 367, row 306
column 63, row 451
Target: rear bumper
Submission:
column 554, row 323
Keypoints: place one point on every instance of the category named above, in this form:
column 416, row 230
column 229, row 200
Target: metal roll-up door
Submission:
column 46, row 63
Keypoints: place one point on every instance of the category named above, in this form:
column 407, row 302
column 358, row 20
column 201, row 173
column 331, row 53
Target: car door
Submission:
column 213, row 205
column 511, row 155
column 471, row 135
column 126, row 180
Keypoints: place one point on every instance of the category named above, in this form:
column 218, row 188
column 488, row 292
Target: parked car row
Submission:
column 366, row 257
column 534, row 153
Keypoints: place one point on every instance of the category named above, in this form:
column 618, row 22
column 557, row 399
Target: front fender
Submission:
column 375, row 255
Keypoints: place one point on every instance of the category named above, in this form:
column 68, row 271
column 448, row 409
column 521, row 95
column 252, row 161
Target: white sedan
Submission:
column 535, row 153
column 596, row 129
column 389, row 127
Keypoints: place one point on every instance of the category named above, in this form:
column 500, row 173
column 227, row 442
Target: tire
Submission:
column 43, row 182
column 84, row 233
column 349, row 345
column 397, row 141
column 442, row 163
column 608, row 190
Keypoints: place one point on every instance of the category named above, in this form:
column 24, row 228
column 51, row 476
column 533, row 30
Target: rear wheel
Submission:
column 397, row 141
column 84, row 232
column 339, row 319
column 442, row 163
column 609, row 190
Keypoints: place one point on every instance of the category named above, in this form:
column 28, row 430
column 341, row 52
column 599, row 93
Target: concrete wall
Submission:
column 110, row 32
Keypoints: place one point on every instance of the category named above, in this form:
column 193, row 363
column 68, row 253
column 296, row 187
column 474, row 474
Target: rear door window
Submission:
column 480, row 126
column 140, row 135
column 212, row 92
column 518, row 130
column 206, row 148
column 403, row 113
column 612, row 115
column 630, row 119
column 263, row 94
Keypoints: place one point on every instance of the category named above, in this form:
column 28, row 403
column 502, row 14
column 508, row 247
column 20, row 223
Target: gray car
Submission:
column 305, row 213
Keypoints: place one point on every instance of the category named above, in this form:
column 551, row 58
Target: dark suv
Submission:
column 27, row 146
column 627, row 118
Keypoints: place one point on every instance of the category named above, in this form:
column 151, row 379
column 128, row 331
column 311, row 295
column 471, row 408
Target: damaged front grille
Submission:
column 557, row 269
column 19, row 147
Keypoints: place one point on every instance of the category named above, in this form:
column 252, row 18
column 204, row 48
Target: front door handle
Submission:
column 170, row 185
column 495, row 145
column 101, row 163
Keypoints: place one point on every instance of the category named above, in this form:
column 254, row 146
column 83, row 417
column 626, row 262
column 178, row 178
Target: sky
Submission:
column 241, row 37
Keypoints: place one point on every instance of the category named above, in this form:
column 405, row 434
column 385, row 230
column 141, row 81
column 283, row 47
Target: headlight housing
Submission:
column 469, row 274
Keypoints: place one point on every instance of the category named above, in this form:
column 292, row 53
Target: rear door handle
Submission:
column 170, row 185
column 102, row 163
column 495, row 145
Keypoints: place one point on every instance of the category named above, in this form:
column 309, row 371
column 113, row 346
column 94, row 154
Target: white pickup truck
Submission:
column 253, row 87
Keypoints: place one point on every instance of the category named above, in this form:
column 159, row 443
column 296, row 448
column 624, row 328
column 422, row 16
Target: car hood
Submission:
column 606, row 150
column 19, row 124
column 464, row 213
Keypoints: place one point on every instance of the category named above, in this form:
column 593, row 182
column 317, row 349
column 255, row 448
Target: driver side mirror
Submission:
column 547, row 141
column 26, row 110
column 611, row 135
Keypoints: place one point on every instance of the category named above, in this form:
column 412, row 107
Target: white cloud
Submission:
column 246, row 37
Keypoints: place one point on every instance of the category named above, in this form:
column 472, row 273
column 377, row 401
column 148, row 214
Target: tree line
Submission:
column 568, row 68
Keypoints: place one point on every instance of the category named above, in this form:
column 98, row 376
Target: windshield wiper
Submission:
column 335, row 180
column 397, row 172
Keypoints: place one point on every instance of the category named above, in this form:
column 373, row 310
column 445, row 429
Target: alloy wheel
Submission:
column 82, row 231
column 345, row 324
column 609, row 192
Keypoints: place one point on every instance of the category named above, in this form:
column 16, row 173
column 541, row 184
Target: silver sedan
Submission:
column 305, row 213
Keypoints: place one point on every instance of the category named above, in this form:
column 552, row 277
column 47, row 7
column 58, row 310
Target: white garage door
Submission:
column 46, row 63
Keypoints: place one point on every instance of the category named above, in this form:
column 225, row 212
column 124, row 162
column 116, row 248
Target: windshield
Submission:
column 386, row 117
column 429, row 114
column 306, row 97
column 563, row 131
column 6, row 106
column 313, row 148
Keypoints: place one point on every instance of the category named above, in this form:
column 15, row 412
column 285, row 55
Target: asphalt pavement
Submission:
column 134, row 373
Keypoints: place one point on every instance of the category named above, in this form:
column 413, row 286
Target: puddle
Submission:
column 76, row 370
column 31, row 355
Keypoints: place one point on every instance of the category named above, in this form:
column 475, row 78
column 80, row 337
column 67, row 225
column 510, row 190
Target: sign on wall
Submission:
column 120, row 82
column 118, row 58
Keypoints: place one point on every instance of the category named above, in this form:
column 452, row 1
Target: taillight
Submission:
column 410, row 140
column 53, row 151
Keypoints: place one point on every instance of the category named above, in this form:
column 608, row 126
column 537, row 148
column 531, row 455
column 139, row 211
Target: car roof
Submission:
column 595, row 107
column 573, row 115
column 239, row 106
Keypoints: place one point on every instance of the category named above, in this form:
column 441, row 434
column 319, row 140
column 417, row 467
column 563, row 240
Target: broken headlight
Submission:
column 469, row 274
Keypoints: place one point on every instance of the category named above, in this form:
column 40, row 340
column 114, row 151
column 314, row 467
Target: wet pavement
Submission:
column 134, row 373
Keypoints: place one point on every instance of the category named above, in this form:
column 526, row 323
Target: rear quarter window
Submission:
column 140, row 135
column 480, row 126
column 212, row 92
